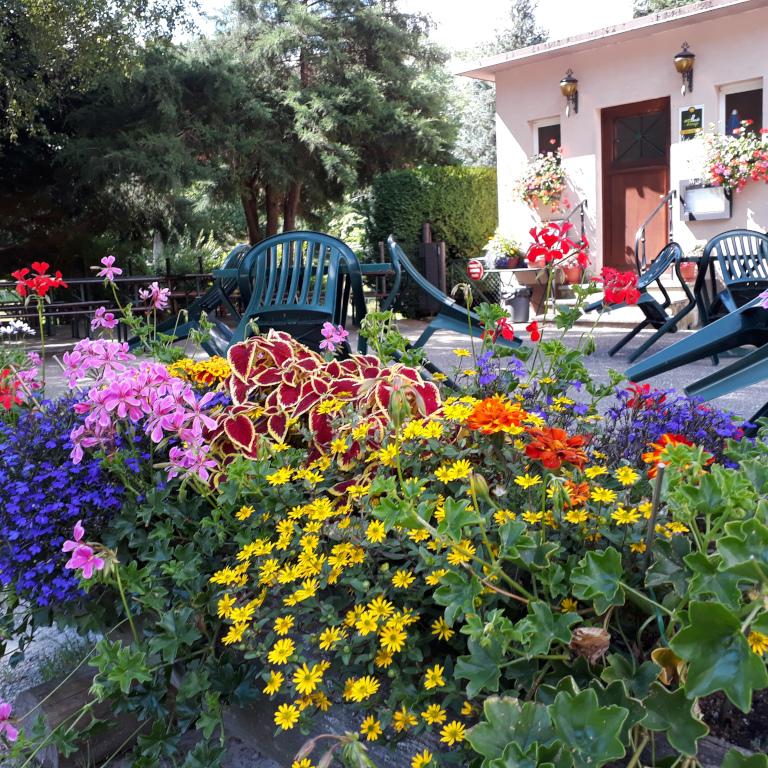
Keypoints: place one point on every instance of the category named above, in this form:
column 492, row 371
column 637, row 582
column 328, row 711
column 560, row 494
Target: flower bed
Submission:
column 539, row 569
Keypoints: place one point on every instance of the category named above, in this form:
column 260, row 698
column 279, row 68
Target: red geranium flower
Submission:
column 533, row 329
column 619, row 287
column 40, row 283
column 643, row 396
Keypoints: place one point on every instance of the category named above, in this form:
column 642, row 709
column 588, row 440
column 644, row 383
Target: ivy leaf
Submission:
column 616, row 693
column 540, row 628
column 672, row 712
column 535, row 756
column 718, row 654
column 177, row 629
column 637, row 679
column 480, row 667
column 507, row 721
column 709, row 579
column 457, row 516
column 457, row 593
column 734, row 759
column 597, row 577
column 745, row 549
column 586, row 729
column 669, row 567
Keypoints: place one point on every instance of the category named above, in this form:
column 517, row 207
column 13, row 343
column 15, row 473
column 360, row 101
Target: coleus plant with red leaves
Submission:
column 279, row 388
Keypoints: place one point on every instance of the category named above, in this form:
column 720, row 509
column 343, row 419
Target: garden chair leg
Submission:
column 626, row 339
column 425, row 336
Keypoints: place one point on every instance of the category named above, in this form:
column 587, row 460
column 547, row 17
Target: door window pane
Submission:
column 640, row 138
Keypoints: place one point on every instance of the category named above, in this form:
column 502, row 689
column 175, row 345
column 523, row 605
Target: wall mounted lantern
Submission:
column 569, row 87
column 684, row 65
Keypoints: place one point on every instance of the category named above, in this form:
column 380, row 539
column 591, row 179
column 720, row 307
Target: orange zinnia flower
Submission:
column 552, row 447
column 578, row 493
column 495, row 414
column 657, row 454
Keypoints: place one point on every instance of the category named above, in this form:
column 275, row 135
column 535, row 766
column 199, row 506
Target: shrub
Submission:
column 460, row 204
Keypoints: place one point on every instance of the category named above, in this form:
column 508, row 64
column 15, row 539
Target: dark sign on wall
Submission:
column 691, row 122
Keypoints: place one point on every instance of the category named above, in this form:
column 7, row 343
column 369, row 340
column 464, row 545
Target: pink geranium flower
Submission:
column 109, row 272
column 156, row 296
column 103, row 319
column 332, row 335
column 6, row 729
column 82, row 557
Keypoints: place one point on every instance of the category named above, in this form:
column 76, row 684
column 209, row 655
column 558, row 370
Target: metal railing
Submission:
column 641, row 257
column 580, row 207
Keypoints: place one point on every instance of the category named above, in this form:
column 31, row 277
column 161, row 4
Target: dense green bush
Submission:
column 460, row 204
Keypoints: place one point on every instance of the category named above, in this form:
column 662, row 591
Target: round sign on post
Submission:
column 475, row 270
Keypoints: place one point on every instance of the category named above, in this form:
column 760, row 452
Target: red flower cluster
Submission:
column 40, row 282
column 9, row 387
column 552, row 244
column 619, row 287
column 644, row 396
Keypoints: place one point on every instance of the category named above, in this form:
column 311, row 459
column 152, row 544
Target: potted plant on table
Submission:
column 543, row 183
column 502, row 252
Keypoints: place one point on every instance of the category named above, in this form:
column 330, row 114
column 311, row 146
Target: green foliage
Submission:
column 645, row 7
column 459, row 203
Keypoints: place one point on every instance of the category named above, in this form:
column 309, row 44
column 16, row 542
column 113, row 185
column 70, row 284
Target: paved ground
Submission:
column 743, row 403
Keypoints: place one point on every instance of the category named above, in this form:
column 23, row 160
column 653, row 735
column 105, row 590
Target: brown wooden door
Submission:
column 635, row 176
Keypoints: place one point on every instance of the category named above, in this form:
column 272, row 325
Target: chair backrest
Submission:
column 301, row 277
column 226, row 286
column 666, row 257
column 401, row 261
column 742, row 255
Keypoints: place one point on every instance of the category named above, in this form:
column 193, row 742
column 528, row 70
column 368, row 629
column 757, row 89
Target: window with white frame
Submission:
column 546, row 135
column 741, row 102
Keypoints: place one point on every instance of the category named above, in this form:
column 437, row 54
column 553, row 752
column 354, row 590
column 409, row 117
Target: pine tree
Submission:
column 475, row 100
column 646, row 7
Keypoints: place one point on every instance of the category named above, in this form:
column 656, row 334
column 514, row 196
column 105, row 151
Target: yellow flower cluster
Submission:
column 208, row 372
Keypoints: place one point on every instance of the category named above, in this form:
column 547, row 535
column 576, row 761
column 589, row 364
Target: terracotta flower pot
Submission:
column 688, row 271
column 571, row 273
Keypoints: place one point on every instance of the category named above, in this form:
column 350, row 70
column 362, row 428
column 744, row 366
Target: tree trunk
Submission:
column 274, row 201
column 291, row 206
column 251, row 209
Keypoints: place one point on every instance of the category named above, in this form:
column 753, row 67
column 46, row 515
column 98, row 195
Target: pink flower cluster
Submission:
column 82, row 557
column 95, row 358
column 332, row 335
column 103, row 319
column 144, row 396
column 156, row 297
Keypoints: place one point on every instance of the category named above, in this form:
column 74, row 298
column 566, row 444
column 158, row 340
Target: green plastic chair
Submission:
column 451, row 316
column 296, row 281
column 748, row 325
column 654, row 311
column 742, row 258
column 218, row 296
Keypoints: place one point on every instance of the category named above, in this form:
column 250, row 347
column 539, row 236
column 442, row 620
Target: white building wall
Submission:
column 728, row 49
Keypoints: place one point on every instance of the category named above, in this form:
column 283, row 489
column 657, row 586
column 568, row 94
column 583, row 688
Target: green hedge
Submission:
column 460, row 204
